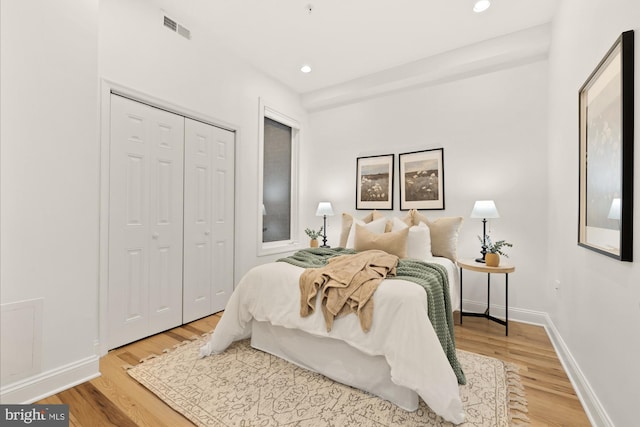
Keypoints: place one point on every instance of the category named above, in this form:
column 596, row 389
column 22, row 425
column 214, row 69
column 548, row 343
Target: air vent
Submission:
column 176, row 28
column 184, row 32
column 170, row 23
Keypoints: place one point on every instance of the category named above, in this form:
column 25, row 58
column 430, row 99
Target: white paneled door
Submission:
column 145, row 221
column 208, row 219
column 171, row 220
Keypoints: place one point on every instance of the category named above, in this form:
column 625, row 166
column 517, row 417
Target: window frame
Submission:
column 293, row 243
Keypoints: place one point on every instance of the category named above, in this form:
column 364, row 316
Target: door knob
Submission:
column 206, row 233
column 155, row 235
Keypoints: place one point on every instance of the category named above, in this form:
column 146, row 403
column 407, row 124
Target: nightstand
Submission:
column 503, row 268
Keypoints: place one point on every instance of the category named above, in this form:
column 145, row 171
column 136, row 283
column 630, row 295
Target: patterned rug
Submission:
column 247, row 387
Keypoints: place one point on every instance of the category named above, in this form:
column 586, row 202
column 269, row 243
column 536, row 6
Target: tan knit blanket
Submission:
column 347, row 284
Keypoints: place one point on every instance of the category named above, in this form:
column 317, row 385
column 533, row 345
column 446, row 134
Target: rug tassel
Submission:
column 149, row 357
column 180, row 344
column 518, row 391
column 512, row 382
column 518, row 407
column 516, row 397
column 521, row 417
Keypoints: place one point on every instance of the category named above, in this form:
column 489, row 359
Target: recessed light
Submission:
column 305, row 69
column 481, row 6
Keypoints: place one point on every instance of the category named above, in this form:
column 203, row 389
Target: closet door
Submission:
column 209, row 219
column 145, row 221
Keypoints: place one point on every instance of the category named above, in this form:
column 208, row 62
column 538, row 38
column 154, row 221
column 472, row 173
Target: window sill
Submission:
column 279, row 248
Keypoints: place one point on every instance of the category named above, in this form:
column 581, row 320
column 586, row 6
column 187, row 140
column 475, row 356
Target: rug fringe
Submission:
column 516, row 397
column 149, row 357
column 193, row 338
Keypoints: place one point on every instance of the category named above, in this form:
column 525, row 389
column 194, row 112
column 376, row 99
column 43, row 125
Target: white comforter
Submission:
column 400, row 331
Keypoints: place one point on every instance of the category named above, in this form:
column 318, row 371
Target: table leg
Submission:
column 461, row 316
column 488, row 312
column 506, row 304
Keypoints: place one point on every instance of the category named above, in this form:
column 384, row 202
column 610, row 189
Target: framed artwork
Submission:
column 422, row 179
column 374, row 182
column 606, row 154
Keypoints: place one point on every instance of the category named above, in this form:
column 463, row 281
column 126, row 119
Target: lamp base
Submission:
column 480, row 260
column 324, row 234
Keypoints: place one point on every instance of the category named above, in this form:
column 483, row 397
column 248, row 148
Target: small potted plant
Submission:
column 494, row 250
column 313, row 235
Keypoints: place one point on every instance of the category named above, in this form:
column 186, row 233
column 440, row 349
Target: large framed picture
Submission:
column 422, row 179
column 374, row 182
column 606, row 154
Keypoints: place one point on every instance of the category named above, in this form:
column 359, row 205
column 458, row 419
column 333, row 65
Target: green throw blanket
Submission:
column 432, row 277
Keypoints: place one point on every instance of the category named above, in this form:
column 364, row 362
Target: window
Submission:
column 278, row 175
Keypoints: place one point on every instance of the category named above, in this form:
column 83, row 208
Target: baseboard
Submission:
column 516, row 314
column 590, row 402
column 51, row 382
column 592, row 406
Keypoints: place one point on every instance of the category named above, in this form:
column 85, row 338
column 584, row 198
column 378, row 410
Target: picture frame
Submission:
column 374, row 182
column 606, row 125
column 421, row 176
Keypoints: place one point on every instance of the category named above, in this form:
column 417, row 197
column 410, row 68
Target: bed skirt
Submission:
column 334, row 359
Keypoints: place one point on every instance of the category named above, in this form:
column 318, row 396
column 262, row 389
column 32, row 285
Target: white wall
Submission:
column 597, row 309
column 493, row 131
column 49, row 167
column 138, row 52
column 54, row 57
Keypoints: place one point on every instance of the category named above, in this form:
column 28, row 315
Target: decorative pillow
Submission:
column 419, row 242
column 394, row 243
column 376, row 226
column 395, row 224
column 347, row 222
column 398, row 224
column 444, row 234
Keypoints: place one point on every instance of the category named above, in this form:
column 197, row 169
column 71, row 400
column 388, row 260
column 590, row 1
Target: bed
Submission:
column 399, row 359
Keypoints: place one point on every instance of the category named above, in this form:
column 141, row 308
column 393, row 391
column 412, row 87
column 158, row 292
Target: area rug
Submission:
column 247, row 387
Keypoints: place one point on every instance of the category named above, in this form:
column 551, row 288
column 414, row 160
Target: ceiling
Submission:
column 346, row 39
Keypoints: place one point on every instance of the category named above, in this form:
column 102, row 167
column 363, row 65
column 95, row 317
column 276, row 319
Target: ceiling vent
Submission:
column 176, row 28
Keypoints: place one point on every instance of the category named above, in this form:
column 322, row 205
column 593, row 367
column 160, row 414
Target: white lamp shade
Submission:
column 614, row 212
column 324, row 208
column 485, row 209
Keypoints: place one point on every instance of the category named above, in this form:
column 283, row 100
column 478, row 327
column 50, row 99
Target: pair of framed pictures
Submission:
column 421, row 180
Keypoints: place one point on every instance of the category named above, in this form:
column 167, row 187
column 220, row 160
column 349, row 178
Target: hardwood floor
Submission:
column 115, row 399
column 552, row 399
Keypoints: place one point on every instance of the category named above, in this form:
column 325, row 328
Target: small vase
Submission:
column 313, row 243
column 492, row 260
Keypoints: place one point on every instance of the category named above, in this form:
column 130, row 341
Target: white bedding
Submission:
column 400, row 331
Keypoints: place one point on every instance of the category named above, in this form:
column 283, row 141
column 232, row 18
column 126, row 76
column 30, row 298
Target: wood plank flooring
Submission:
column 552, row 399
column 115, row 399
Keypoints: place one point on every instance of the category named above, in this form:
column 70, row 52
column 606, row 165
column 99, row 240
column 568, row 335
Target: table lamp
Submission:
column 484, row 209
column 324, row 210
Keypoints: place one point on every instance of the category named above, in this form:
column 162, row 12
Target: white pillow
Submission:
column 376, row 226
column 397, row 224
column 419, row 242
column 444, row 234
